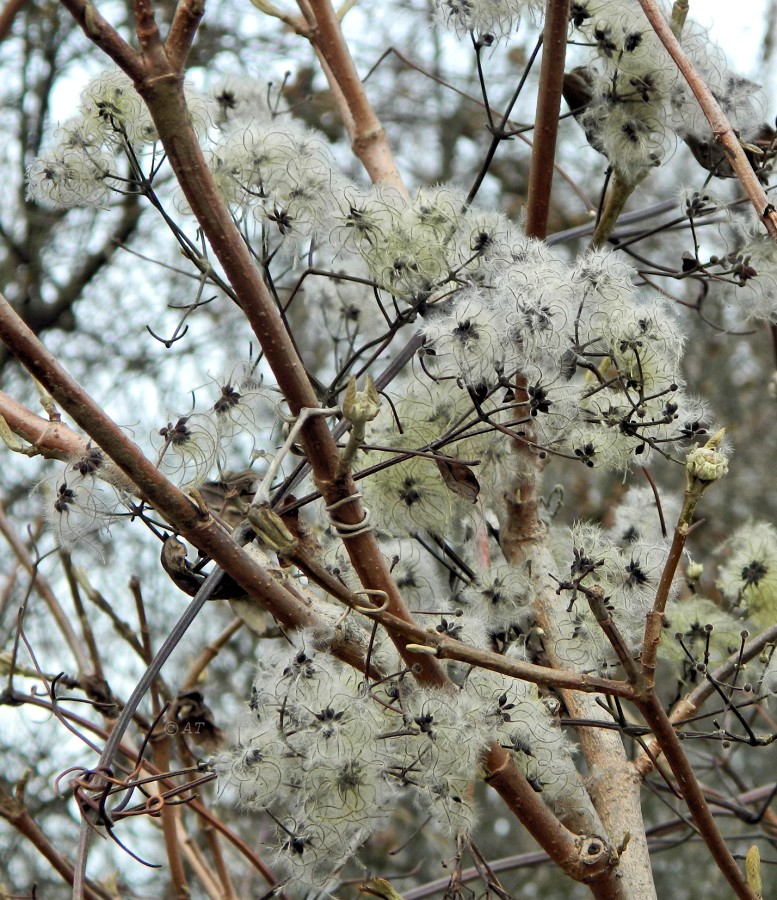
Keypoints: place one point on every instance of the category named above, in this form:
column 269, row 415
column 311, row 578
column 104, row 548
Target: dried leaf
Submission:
column 459, row 478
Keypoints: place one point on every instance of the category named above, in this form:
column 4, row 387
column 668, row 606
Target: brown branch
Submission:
column 722, row 131
column 13, row 810
column 216, row 851
column 692, row 702
column 543, row 154
column 613, row 785
column 163, row 92
column 54, row 440
column 86, row 626
column 7, row 16
column 183, row 30
column 655, row 618
column 598, row 604
column 368, row 137
column 201, row 870
column 130, row 752
column 105, row 36
column 189, row 520
column 44, row 590
column 693, row 795
column 152, row 49
column 170, row 815
column 586, row 858
column 208, row 653
column 449, row 648
column 160, row 85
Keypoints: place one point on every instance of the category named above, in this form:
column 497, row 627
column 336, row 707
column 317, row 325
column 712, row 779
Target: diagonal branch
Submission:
column 573, row 853
column 183, row 30
column 196, row 526
column 722, row 131
column 15, row 812
column 162, row 89
column 693, row 795
column 100, row 31
column 692, row 702
column 45, row 591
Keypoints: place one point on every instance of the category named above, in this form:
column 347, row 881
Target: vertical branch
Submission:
column 655, row 618
column 703, row 466
column 722, row 131
column 689, row 705
column 171, row 821
column 368, row 137
column 543, row 154
column 97, row 673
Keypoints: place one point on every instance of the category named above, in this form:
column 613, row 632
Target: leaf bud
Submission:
column 706, row 464
column 360, row 407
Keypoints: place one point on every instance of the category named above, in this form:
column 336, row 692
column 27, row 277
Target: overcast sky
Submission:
column 741, row 36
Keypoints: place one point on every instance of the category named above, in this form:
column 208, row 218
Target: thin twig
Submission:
column 208, row 653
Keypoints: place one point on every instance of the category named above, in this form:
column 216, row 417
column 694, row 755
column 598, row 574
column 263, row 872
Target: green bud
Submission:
column 694, row 571
column 360, row 407
column 706, row 464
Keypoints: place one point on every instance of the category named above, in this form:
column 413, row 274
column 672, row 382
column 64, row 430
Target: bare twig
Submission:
column 208, row 653
column 50, row 439
column 692, row 702
column 14, row 811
